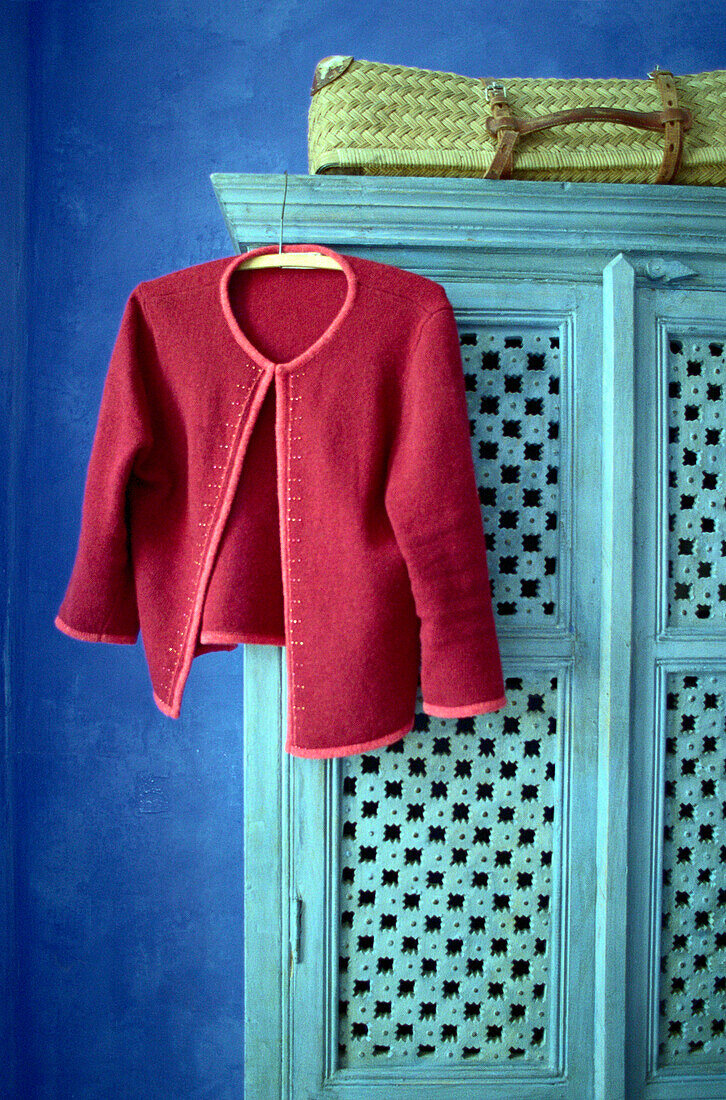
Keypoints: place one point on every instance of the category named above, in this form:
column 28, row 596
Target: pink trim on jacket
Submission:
column 88, row 636
column 188, row 652
column 468, row 711
column 235, row 638
column 348, row 750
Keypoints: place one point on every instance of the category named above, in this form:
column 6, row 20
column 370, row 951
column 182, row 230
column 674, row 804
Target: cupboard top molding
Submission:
column 514, row 216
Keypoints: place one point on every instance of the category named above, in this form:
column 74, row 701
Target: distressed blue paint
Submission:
column 13, row 324
column 128, row 838
column 618, row 429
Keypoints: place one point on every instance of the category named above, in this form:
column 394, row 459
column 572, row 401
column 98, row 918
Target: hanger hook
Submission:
column 282, row 213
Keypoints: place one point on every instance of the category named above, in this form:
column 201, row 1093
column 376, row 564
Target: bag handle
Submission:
column 673, row 120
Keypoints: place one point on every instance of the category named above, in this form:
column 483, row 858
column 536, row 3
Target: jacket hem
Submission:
column 168, row 709
column 89, row 636
column 238, row 637
column 465, row 711
column 349, row 750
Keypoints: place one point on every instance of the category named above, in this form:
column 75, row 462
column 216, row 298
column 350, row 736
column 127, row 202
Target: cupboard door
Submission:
column 439, row 894
column 677, row 933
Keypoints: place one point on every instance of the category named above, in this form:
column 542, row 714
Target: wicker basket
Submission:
column 367, row 118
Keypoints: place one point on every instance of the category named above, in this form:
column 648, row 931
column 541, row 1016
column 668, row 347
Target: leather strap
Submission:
column 643, row 120
column 672, row 120
column 673, row 150
column 501, row 165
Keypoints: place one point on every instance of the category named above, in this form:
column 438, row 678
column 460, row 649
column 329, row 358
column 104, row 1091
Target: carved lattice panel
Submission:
column 696, row 482
column 692, row 998
column 513, row 392
column 447, row 857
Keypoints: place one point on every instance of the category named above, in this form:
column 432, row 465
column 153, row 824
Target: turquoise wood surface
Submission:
column 618, row 370
column 678, row 775
column 502, row 908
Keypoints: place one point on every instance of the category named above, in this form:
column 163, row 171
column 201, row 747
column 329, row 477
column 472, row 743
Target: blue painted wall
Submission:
column 13, row 358
column 126, row 842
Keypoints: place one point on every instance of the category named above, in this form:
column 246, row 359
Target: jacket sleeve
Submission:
column 100, row 600
column 433, row 504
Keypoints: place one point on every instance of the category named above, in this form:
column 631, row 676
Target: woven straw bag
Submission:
column 367, row 118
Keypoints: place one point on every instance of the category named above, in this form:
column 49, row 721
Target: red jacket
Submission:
column 282, row 456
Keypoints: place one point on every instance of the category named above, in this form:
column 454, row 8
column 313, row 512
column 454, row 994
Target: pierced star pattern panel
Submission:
column 692, row 997
column 446, row 891
column 696, row 482
column 513, row 392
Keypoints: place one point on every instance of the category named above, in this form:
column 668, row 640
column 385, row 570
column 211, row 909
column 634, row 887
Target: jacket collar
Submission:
column 331, row 330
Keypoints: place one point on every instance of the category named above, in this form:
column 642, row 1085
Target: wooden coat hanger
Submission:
column 297, row 260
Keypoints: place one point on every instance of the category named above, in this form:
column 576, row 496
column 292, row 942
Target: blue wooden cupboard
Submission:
column 531, row 903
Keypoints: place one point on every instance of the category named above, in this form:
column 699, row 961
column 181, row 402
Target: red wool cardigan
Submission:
column 282, row 456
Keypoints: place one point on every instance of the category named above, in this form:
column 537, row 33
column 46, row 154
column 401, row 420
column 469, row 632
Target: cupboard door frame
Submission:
column 660, row 649
column 310, row 789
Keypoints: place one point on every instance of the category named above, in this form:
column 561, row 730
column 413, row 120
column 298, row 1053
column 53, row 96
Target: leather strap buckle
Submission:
column 495, row 89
